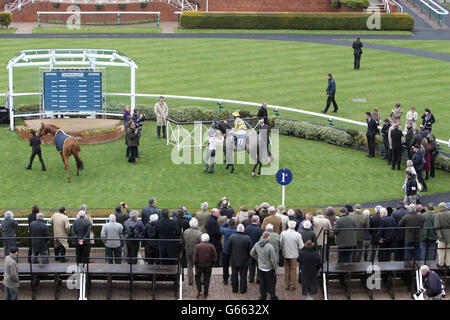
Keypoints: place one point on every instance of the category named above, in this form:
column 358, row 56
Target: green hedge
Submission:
column 5, row 19
column 300, row 21
column 442, row 162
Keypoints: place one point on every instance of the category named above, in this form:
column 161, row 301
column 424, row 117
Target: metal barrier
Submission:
column 432, row 8
column 83, row 267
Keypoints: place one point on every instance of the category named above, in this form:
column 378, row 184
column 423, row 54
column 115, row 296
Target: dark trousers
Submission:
column 432, row 169
column 267, row 285
column 158, row 131
column 373, row 252
column 239, row 278
column 420, row 178
column 206, row 272
column 399, row 254
column 82, row 252
column 114, row 253
column 387, row 150
column 151, row 252
column 384, row 254
column 345, row 256
column 60, row 253
column 33, row 154
column 37, row 252
column 409, row 253
column 252, row 269
column 330, row 99
column 132, row 250
column 226, row 266
column 128, row 152
column 371, row 144
column 133, row 154
column 168, row 251
column 357, row 60
column 357, row 254
column 396, row 157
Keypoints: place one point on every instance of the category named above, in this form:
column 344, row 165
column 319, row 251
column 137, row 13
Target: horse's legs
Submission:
column 62, row 158
column 77, row 159
column 66, row 163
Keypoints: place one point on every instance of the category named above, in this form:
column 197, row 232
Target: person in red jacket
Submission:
column 205, row 256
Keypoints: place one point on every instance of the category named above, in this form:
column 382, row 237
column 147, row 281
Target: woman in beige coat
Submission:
column 161, row 110
column 61, row 228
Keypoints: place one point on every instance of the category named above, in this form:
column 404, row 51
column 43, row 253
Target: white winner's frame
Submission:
column 66, row 58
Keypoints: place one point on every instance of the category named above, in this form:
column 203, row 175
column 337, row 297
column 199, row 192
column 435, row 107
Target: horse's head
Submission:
column 47, row 129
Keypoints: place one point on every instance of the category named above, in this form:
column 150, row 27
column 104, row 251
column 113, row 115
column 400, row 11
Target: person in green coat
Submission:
column 428, row 244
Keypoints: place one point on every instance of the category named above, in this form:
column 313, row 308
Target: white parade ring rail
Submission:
column 236, row 102
column 97, row 12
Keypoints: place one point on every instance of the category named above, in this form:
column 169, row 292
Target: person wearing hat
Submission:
column 161, row 110
column 345, row 239
column 239, row 124
column 61, row 230
column 361, row 221
column 35, row 144
column 11, row 275
column 419, row 162
column 331, row 91
column 396, row 113
column 442, row 227
column 215, row 139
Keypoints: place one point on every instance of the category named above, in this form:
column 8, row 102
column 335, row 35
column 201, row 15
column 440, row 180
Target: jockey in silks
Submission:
column 239, row 129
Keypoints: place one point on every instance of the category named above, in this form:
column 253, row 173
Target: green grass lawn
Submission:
column 441, row 46
column 323, row 175
column 121, row 29
column 291, row 74
column 355, row 32
column 9, row 30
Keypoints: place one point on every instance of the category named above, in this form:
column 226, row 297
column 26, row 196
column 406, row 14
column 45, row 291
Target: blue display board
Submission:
column 72, row 90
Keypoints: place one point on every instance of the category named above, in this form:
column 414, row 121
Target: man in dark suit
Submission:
column 418, row 161
column 35, row 144
column 396, row 137
column 371, row 132
column 167, row 228
column 357, row 51
column 39, row 245
column 262, row 113
column 331, row 91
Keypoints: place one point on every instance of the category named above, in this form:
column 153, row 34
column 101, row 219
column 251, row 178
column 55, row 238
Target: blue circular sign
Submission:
column 284, row 176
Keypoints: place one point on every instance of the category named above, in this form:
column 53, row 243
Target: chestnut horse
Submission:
column 70, row 146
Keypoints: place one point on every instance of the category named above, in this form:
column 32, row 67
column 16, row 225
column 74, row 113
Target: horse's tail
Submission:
column 80, row 165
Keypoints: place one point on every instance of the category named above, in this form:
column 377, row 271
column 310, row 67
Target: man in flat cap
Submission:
column 161, row 110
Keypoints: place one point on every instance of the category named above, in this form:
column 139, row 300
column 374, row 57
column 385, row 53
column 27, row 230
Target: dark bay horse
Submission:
column 65, row 144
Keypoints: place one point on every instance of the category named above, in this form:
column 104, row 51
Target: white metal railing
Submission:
column 387, row 9
column 399, row 6
column 14, row 5
column 183, row 5
column 97, row 222
column 235, row 102
column 432, row 8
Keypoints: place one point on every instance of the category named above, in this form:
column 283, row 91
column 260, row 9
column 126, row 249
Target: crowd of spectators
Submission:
column 254, row 243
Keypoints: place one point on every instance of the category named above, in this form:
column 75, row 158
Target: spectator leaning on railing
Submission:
column 8, row 228
column 39, row 238
column 111, row 234
column 61, row 230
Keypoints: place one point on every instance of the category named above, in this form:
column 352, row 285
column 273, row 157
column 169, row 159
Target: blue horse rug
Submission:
column 60, row 138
